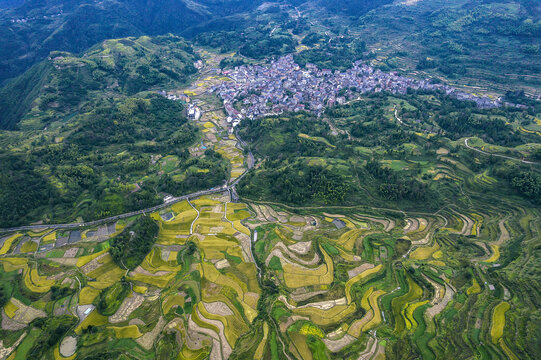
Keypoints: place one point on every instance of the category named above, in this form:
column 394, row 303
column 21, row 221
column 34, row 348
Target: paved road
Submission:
column 498, row 155
column 139, row 212
column 123, row 216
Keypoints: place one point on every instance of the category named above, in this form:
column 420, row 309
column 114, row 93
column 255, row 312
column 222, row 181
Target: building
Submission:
column 194, row 113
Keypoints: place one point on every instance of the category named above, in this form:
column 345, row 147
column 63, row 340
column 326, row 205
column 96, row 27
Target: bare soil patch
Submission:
column 337, row 345
column 412, row 224
column 297, row 295
column 504, row 234
column 370, row 350
column 93, row 264
column 68, row 346
column 280, row 249
column 301, row 248
column 147, row 340
column 218, row 308
column 127, row 307
column 65, row 261
column 359, row 269
column 25, row 314
column 440, row 305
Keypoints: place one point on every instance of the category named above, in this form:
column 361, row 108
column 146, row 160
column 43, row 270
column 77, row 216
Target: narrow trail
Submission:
column 499, row 155
column 397, row 118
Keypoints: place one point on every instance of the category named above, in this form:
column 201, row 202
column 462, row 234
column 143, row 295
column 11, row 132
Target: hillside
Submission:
column 28, row 33
column 93, row 141
column 478, row 44
column 361, row 154
column 63, row 83
column 297, row 179
column 213, row 278
column 456, row 41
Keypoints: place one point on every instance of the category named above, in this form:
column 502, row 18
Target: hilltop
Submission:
column 64, row 82
column 31, row 31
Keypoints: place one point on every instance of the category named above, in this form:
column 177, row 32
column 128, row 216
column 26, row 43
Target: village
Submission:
column 283, row 86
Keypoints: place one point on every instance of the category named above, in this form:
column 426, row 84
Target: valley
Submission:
column 296, row 179
column 259, row 278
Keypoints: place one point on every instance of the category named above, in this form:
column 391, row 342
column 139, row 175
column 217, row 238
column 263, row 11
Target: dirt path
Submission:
column 397, row 118
column 504, row 234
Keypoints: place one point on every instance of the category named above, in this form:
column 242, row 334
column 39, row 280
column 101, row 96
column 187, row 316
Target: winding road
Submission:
column 499, row 155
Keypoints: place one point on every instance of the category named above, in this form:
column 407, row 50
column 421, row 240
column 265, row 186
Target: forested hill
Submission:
column 29, row 32
column 64, row 82
column 353, row 7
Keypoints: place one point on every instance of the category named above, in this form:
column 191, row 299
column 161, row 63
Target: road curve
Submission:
column 499, row 155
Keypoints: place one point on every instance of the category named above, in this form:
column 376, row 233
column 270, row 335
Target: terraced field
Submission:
column 213, row 123
column 231, row 279
column 403, row 283
column 266, row 280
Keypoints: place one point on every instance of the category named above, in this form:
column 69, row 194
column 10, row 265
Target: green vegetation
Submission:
column 130, row 247
column 80, row 24
column 110, row 299
column 380, row 229
column 455, row 40
column 335, row 54
column 254, row 43
column 65, row 83
column 94, row 147
column 52, row 330
column 399, row 166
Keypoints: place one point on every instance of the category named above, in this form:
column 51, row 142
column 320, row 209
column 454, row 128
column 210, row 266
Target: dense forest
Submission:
column 335, row 54
column 131, row 246
column 254, row 42
column 76, row 25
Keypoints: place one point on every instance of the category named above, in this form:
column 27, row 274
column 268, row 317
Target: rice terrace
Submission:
column 283, row 180
column 310, row 284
